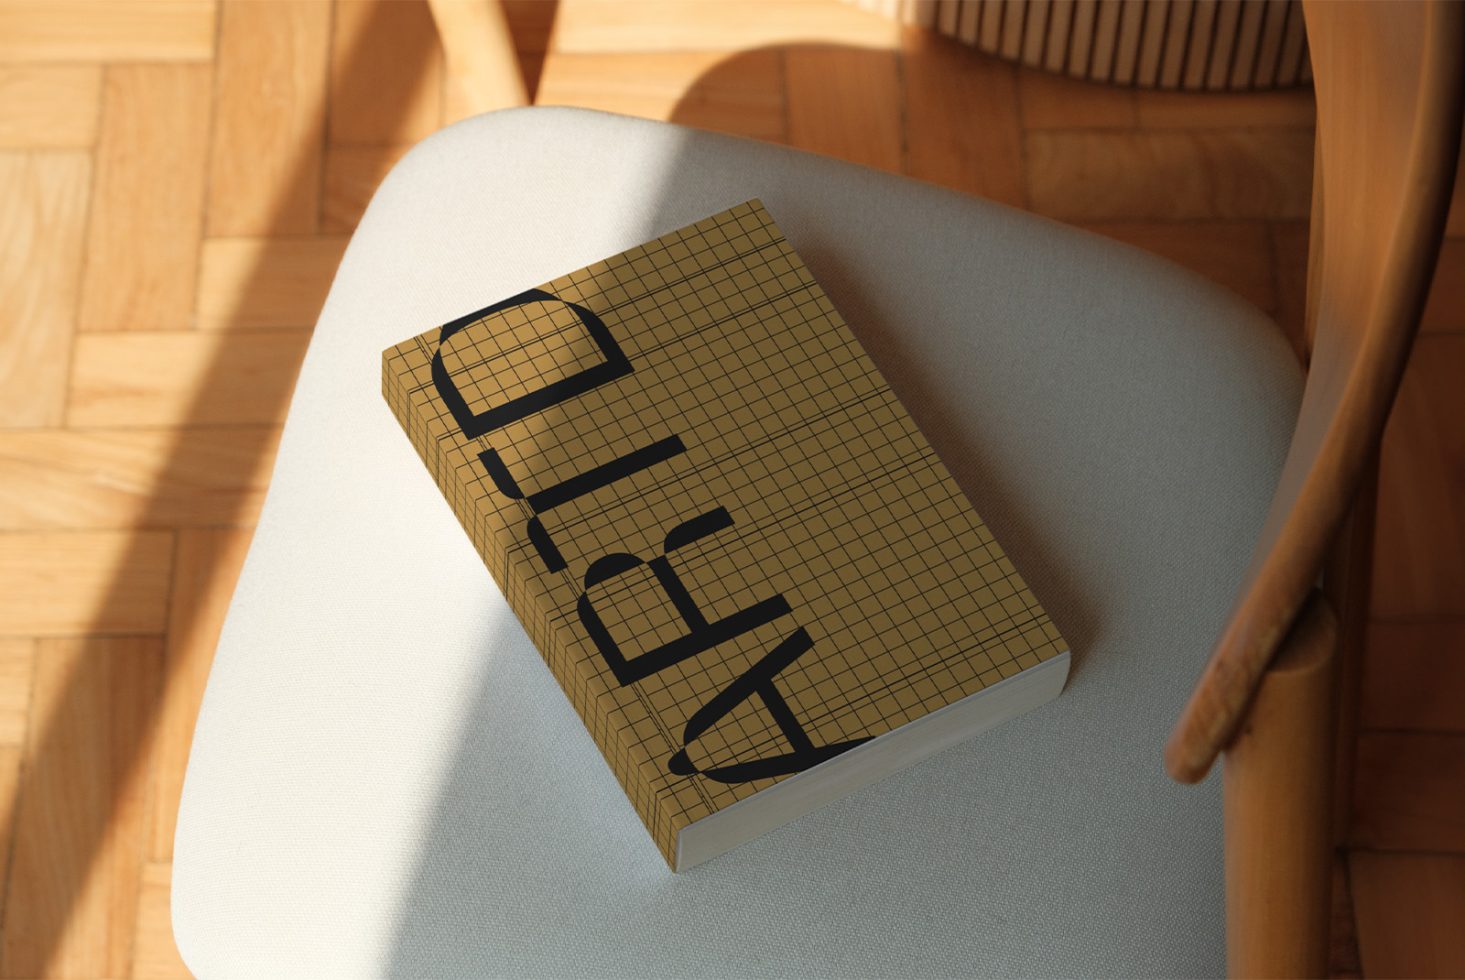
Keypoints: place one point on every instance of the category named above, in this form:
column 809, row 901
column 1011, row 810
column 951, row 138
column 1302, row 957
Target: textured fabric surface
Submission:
column 386, row 779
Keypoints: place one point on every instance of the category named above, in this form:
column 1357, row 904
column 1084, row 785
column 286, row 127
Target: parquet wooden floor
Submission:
column 177, row 182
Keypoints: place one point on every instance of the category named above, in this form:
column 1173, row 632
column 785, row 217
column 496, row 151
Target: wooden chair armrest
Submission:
column 1390, row 83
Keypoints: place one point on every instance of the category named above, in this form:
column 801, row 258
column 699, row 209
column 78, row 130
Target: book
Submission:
column 746, row 567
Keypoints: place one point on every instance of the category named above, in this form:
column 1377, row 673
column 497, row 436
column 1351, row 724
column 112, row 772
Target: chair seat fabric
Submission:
column 387, row 780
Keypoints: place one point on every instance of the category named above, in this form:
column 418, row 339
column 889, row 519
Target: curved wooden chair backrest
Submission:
column 1389, row 78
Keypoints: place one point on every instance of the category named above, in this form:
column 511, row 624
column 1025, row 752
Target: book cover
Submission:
column 735, row 550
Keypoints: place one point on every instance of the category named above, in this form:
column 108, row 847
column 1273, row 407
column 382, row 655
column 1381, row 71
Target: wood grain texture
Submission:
column 194, row 377
column 1278, row 793
column 352, row 175
column 64, row 583
column 845, row 102
column 1420, row 546
column 49, row 107
column 207, row 566
column 154, row 953
column 249, row 283
column 1287, row 109
column 43, row 197
column 1100, row 175
column 1409, row 909
column 147, row 204
column 714, row 25
column 1444, row 312
column 77, row 857
column 398, row 45
column 729, row 93
column 1054, row 102
column 1409, row 792
column 11, row 762
column 1414, row 676
column 945, row 88
column 1391, row 93
column 55, row 479
column 264, row 172
column 117, row 30
column 17, row 665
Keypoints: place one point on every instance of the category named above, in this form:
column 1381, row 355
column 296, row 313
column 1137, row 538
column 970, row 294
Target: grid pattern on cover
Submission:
column 746, row 402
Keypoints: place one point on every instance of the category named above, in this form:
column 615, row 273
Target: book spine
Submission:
column 492, row 540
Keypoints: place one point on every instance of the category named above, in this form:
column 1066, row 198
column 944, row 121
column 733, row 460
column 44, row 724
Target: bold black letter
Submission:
column 759, row 680
column 576, row 486
column 702, row 635
column 472, row 425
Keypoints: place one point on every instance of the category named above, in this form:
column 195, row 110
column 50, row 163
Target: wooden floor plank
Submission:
column 846, row 103
column 1410, row 792
column 352, row 175
column 1052, row 101
column 1445, row 310
column 11, row 761
column 65, row 583
column 739, row 93
column 191, row 378
column 83, row 479
column 117, row 30
column 149, row 189
column 49, row 107
column 43, row 198
column 17, row 665
column 1235, row 254
column 386, row 73
column 1099, row 175
column 1419, row 547
column 248, row 283
column 962, row 125
column 154, row 954
column 1409, row 910
column 71, row 908
column 531, row 22
column 1414, row 676
column 714, row 25
column 1284, row 108
column 269, row 111
column 207, row 567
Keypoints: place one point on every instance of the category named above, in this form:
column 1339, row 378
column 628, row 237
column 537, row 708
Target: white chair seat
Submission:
column 386, row 779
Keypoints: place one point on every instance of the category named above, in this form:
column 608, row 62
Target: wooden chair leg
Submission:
column 479, row 57
column 1278, row 789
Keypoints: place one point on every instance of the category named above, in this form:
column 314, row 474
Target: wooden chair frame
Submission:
column 1389, row 79
column 481, row 64
column 1389, row 83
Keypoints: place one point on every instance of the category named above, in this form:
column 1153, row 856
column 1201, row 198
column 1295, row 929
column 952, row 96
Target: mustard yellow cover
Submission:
column 733, row 547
